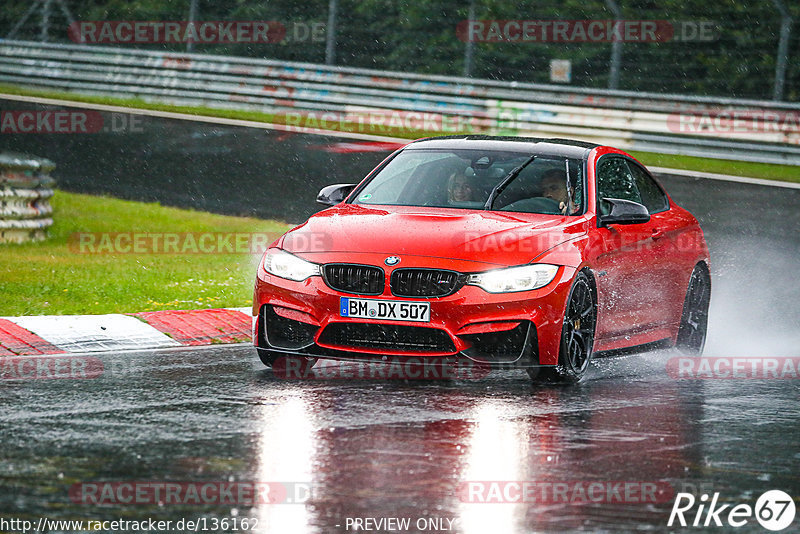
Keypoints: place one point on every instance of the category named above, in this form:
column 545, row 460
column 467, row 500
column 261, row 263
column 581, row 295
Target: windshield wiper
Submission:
column 504, row 182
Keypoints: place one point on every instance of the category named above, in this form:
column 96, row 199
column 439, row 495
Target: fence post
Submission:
column 192, row 17
column 330, row 34
column 616, row 48
column 783, row 50
column 469, row 48
column 44, row 34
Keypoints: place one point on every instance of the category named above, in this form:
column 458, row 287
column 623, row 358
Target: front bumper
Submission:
column 521, row 329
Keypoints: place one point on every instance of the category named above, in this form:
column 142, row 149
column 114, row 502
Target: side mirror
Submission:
column 334, row 194
column 623, row 212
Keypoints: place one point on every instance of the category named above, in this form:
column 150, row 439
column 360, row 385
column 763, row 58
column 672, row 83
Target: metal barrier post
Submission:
column 783, row 50
column 616, row 47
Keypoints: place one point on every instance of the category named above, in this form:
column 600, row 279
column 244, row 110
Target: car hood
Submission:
column 497, row 238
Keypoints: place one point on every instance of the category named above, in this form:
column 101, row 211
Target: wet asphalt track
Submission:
column 384, row 448
column 380, row 448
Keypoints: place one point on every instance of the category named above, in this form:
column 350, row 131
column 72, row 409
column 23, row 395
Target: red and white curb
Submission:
column 57, row 334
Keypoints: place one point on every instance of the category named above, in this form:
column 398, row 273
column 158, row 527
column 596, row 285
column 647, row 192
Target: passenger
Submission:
column 554, row 187
column 460, row 188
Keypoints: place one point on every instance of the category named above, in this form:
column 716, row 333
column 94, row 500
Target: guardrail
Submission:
column 747, row 130
column 25, row 211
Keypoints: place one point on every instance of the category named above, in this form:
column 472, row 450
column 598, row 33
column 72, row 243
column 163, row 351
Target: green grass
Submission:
column 767, row 171
column 788, row 173
column 53, row 277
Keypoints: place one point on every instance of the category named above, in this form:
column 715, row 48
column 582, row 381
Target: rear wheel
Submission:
column 694, row 319
column 577, row 336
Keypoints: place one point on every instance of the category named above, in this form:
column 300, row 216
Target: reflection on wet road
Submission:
column 382, row 448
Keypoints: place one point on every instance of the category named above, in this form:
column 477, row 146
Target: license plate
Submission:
column 390, row 310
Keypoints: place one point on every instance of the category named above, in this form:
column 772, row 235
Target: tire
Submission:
column 694, row 317
column 577, row 337
column 280, row 362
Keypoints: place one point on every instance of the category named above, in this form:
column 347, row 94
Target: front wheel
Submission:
column 694, row 318
column 577, row 336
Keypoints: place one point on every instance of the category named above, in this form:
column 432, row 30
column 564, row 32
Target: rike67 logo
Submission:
column 774, row 510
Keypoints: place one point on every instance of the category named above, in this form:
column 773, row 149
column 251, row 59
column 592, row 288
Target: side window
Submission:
column 653, row 197
column 615, row 180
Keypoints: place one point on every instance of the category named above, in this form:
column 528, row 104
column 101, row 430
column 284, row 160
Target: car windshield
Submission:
column 464, row 179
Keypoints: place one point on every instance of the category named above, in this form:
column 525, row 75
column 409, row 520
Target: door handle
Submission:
column 657, row 233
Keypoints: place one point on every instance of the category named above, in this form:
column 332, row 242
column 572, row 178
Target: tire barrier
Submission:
column 25, row 192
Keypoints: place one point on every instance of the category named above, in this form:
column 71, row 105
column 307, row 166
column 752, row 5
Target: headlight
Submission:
column 289, row 266
column 522, row 278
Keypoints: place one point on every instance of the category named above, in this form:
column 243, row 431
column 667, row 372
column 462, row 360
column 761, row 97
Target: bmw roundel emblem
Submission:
column 392, row 260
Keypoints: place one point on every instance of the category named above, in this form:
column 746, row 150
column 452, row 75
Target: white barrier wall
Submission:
column 711, row 127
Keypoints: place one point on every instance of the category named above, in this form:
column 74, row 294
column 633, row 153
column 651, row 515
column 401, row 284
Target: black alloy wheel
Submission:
column 694, row 319
column 577, row 336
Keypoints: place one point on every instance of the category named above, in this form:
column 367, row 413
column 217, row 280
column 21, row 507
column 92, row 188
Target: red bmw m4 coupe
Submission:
column 510, row 252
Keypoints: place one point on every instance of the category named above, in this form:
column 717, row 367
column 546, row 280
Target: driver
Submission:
column 554, row 187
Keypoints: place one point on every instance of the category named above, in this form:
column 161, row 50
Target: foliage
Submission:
column 420, row 36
